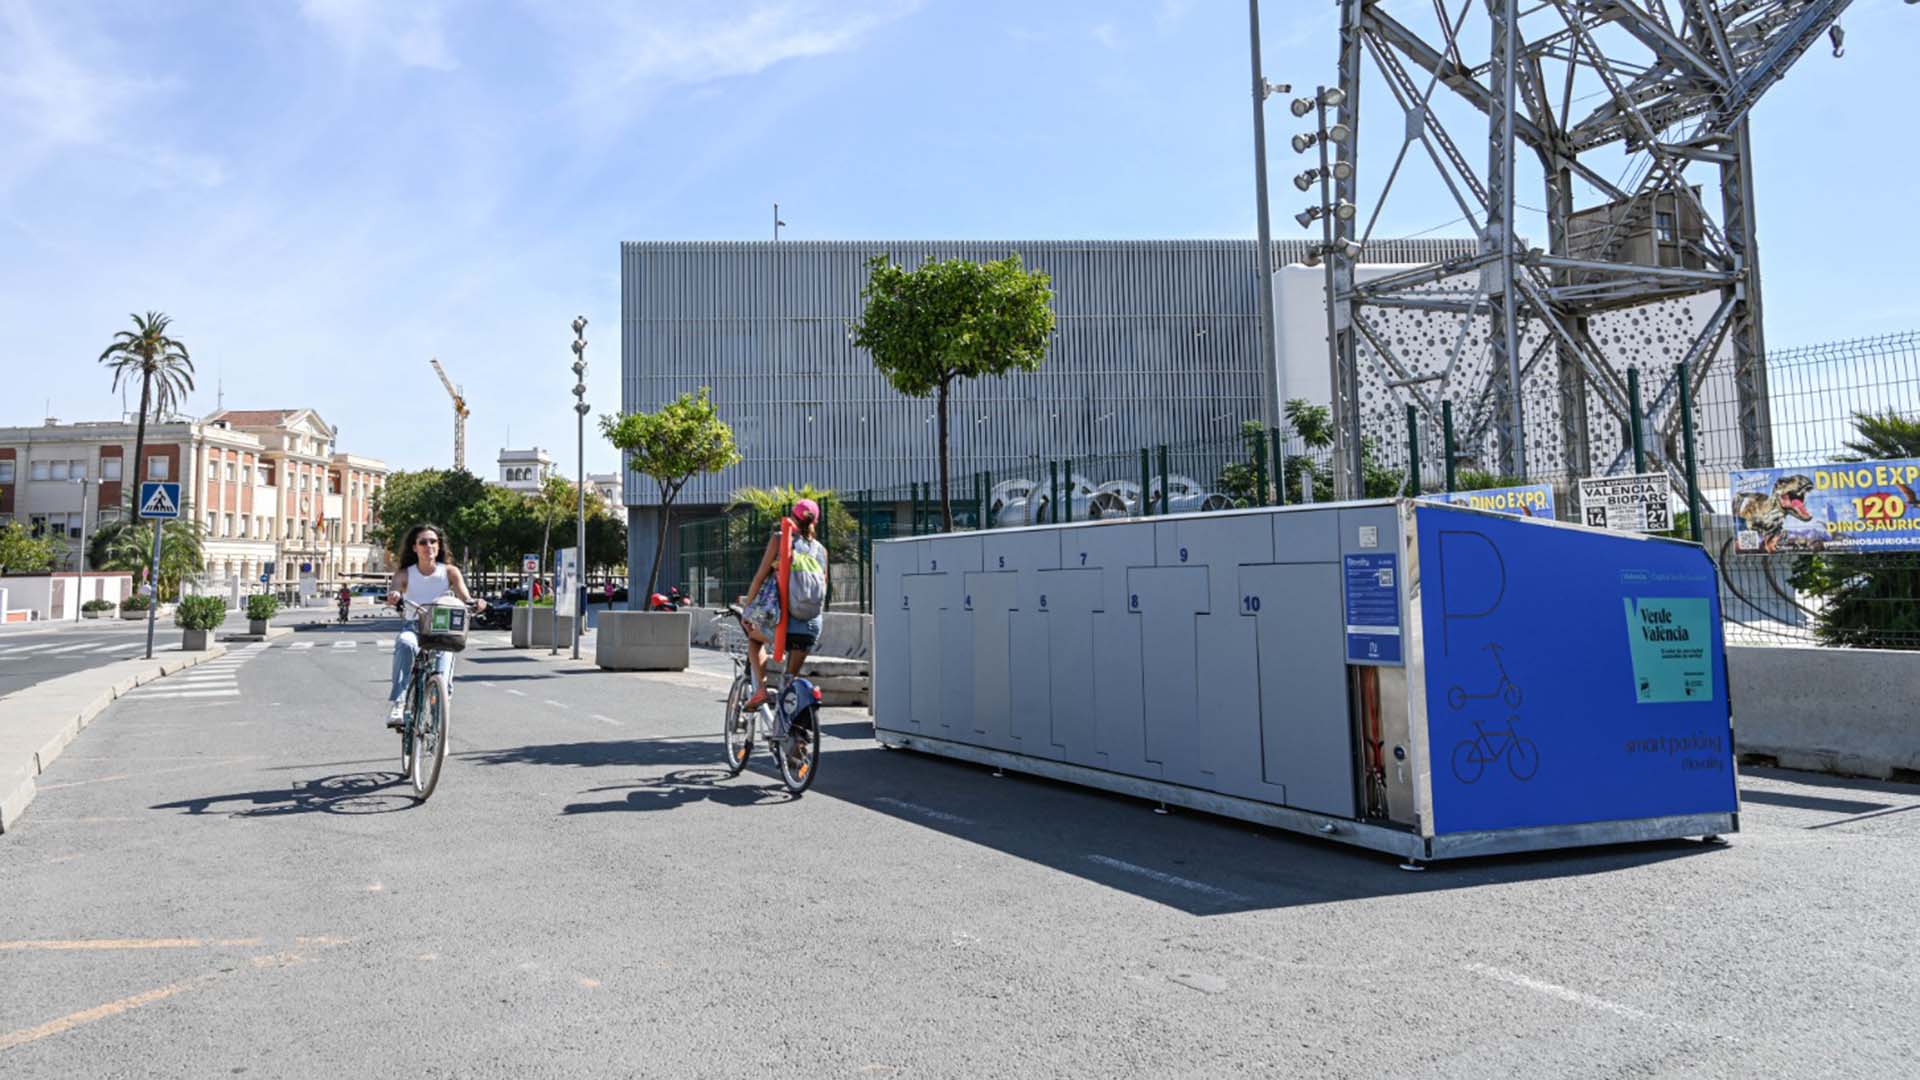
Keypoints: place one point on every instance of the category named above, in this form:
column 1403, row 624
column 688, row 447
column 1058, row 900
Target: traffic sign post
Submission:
column 159, row 501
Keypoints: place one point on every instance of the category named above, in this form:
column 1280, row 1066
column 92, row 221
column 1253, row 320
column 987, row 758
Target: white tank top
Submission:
column 424, row 589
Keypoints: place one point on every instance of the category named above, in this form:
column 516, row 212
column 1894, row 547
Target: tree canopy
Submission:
column 953, row 319
column 683, row 439
column 164, row 371
column 23, row 552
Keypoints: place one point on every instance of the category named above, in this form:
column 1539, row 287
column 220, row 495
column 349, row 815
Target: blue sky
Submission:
column 325, row 193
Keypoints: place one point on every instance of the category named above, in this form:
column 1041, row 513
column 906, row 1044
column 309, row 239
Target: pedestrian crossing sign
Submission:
column 159, row 499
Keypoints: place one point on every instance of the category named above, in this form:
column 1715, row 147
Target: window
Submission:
column 158, row 468
column 37, row 524
column 109, row 468
column 243, row 526
column 213, row 469
column 58, row 470
column 77, row 469
column 209, row 523
column 1663, row 227
column 6, row 472
column 266, row 475
column 230, row 472
column 227, row 527
column 37, row 471
column 304, row 485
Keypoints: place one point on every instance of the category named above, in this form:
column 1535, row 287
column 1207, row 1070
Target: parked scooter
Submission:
column 671, row 600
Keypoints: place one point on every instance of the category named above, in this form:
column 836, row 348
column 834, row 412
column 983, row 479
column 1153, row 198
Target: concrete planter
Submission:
column 132, row 615
column 257, row 627
column 89, row 614
column 533, row 628
column 195, row 640
column 644, row 640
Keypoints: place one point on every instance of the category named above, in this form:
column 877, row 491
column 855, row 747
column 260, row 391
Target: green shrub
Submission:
column 97, row 605
column 200, row 612
column 262, row 606
column 545, row 601
column 136, row 602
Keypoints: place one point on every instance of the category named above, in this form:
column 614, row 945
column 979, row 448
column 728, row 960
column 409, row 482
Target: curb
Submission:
column 29, row 745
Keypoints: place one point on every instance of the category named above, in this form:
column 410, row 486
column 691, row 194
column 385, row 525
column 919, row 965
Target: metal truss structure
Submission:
column 1675, row 83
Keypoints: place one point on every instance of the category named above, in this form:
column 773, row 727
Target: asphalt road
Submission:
column 48, row 651
column 228, row 879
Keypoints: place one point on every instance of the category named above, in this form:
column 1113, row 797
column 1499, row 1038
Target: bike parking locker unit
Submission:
column 1421, row 679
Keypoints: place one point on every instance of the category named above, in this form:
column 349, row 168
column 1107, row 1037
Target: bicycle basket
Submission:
column 442, row 626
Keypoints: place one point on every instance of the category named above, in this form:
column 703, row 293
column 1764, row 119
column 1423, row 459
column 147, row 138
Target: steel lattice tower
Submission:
column 1665, row 86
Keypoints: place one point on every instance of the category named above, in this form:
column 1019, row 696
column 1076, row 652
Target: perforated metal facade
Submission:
column 1157, row 342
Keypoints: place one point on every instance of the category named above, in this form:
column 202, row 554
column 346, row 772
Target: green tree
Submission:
column 124, row 544
column 1868, row 597
column 684, row 439
column 769, row 505
column 1241, row 481
column 949, row 320
column 23, row 552
column 435, row 495
column 166, row 376
column 1313, row 425
column 554, row 501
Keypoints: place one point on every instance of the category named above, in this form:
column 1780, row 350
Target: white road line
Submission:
column 70, row 648
column 346, row 644
column 190, row 693
column 608, row 720
column 516, row 693
column 112, row 646
column 926, row 811
column 301, row 645
column 32, row 648
column 1200, row 887
column 553, row 703
column 1514, row 978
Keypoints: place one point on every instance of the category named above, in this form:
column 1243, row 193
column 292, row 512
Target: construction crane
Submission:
column 459, row 416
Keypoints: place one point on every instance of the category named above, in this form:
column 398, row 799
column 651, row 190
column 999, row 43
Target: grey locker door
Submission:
column 920, row 598
column 1166, row 599
column 1067, row 601
column 990, row 599
column 1306, row 733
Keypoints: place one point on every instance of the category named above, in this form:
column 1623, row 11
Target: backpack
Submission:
column 806, row 579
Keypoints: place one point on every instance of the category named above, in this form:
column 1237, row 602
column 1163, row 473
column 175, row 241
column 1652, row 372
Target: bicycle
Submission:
column 1471, row 756
column 789, row 721
column 441, row 628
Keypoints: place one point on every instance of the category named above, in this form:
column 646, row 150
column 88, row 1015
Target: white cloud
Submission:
column 412, row 32
column 708, row 41
column 1105, row 34
column 52, row 93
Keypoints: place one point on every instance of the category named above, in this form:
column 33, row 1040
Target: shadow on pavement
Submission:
column 1195, row 862
column 347, row 793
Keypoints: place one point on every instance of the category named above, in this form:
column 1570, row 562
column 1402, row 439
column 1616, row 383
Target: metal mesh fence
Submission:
column 1816, row 396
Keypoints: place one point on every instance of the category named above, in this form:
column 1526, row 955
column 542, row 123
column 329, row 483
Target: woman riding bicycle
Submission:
column 424, row 576
column 808, row 556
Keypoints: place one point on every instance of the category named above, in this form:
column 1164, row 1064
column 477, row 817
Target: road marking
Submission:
column 925, row 811
column 516, row 693
column 607, row 720
column 31, row 648
column 1514, row 978
column 346, row 644
column 70, row 648
column 124, row 943
column 149, row 695
column 1171, row 879
column 553, row 703
column 88, row 1016
column 301, row 645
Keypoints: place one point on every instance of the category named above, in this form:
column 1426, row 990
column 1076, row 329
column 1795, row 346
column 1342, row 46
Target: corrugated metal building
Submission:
column 1156, row 342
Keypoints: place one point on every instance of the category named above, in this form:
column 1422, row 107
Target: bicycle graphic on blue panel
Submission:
column 1471, row 757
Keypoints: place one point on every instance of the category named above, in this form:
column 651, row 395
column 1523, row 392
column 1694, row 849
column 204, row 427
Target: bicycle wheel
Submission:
column 736, row 731
column 1523, row 758
column 800, row 757
column 430, row 737
column 1468, row 762
column 412, row 706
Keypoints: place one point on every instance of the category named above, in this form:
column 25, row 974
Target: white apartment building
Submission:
column 524, row 471
column 270, row 488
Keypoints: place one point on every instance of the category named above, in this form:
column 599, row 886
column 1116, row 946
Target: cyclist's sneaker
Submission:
column 396, row 716
column 758, row 699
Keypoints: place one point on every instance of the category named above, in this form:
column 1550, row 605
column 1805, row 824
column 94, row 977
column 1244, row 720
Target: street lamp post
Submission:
column 580, row 447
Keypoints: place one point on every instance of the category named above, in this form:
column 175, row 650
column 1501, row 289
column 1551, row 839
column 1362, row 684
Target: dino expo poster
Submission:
column 1851, row 506
column 1530, row 500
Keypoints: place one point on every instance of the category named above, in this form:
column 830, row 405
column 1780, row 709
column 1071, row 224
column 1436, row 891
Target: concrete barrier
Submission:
column 843, row 634
column 644, row 640
column 533, row 628
column 1847, row 711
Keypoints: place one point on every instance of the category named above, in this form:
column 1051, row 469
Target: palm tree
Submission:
column 165, row 373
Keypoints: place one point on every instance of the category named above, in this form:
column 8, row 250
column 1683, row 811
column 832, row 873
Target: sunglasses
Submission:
column 426, row 543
